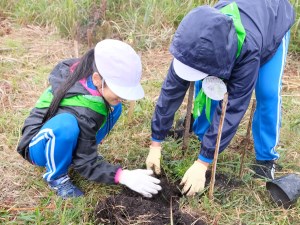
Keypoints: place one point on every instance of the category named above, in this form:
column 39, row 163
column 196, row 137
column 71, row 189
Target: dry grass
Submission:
column 291, row 78
column 31, row 48
column 27, row 56
column 34, row 48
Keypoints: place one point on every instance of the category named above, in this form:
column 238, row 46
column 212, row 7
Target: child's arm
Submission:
column 85, row 155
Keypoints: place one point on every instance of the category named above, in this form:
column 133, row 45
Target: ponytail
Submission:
column 84, row 69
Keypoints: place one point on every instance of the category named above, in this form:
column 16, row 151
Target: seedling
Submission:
column 214, row 164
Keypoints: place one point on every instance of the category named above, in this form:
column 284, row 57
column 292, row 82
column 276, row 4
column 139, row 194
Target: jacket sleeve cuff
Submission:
column 204, row 159
column 153, row 139
column 117, row 176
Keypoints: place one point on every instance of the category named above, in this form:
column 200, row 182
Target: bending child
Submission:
column 77, row 111
column 242, row 47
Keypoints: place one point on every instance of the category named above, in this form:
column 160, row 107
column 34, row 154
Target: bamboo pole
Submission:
column 214, row 164
column 130, row 111
column 76, row 42
column 247, row 138
column 188, row 117
column 89, row 37
column 171, row 212
column 76, row 49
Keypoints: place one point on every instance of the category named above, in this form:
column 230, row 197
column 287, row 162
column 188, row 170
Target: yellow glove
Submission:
column 153, row 159
column 194, row 179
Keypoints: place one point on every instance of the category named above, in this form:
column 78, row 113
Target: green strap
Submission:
column 94, row 103
column 200, row 101
column 207, row 108
column 232, row 11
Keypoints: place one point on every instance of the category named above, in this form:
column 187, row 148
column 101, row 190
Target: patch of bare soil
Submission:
column 129, row 207
column 223, row 182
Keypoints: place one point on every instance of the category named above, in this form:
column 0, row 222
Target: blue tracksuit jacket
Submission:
column 206, row 40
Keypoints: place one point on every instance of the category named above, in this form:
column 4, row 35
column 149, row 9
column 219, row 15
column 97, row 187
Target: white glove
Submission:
column 153, row 159
column 194, row 179
column 140, row 181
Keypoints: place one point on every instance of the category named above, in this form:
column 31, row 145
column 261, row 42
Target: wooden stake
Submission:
column 171, row 212
column 188, row 117
column 214, row 164
column 76, row 49
column 103, row 7
column 76, row 41
column 247, row 138
column 130, row 111
column 89, row 37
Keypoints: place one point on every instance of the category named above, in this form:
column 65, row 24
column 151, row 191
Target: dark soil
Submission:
column 129, row 207
column 223, row 182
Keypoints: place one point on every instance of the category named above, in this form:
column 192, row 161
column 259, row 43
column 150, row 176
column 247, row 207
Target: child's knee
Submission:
column 68, row 128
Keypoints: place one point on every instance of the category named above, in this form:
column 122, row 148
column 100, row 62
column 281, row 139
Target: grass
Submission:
column 146, row 24
column 32, row 53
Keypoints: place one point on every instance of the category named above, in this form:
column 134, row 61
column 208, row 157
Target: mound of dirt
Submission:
column 223, row 182
column 129, row 207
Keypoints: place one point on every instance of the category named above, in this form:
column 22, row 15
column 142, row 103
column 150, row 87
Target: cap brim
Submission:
column 186, row 72
column 127, row 93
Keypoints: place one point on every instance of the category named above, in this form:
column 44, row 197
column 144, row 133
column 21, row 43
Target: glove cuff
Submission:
column 122, row 177
column 118, row 175
column 155, row 148
column 200, row 166
column 155, row 151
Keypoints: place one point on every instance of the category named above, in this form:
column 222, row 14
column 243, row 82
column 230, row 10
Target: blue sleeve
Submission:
column 240, row 87
column 171, row 97
column 204, row 159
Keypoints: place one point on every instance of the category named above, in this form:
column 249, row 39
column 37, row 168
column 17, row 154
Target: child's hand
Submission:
column 141, row 181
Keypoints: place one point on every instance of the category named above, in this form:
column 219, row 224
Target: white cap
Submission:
column 214, row 88
column 120, row 67
column 186, row 72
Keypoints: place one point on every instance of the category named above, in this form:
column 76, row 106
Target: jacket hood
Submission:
column 61, row 72
column 206, row 40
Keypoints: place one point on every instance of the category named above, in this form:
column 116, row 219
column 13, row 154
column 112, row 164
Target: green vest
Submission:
column 95, row 103
column 232, row 11
column 202, row 100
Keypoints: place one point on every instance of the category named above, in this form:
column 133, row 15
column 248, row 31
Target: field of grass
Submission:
column 146, row 24
column 33, row 44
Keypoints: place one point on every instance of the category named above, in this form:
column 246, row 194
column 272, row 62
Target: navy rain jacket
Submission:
column 206, row 40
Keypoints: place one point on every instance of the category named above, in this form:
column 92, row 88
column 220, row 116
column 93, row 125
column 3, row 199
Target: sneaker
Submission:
column 265, row 169
column 65, row 188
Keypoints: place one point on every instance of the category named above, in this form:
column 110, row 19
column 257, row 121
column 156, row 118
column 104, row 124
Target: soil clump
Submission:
column 129, row 207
